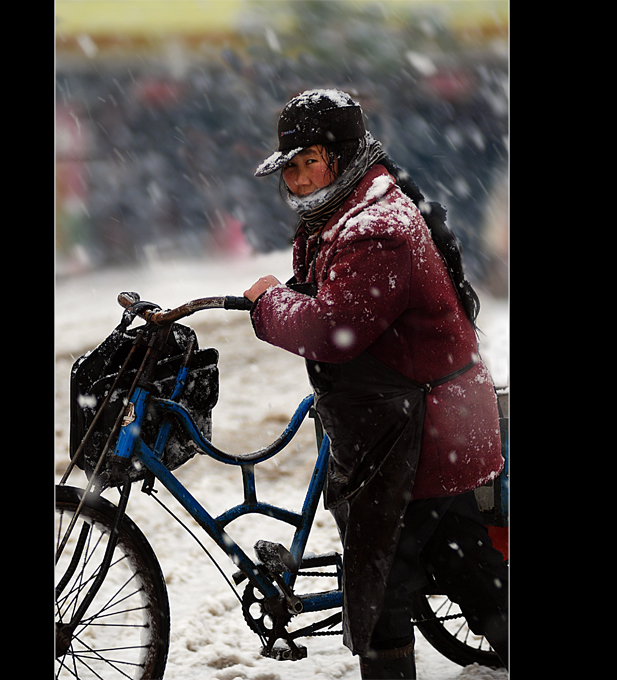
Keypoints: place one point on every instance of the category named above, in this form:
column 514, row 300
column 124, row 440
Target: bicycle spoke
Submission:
column 64, row 666
column 82, row 661
column 90, row 654
column 79, row 586
column 113, row 602
column 92, row 622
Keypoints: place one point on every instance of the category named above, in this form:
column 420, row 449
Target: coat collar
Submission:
column 372, row 187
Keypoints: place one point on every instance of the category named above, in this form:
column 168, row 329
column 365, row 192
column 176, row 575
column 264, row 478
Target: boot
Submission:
column 389, row 664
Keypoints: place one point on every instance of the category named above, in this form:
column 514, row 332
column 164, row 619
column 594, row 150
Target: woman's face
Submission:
column 308, row 171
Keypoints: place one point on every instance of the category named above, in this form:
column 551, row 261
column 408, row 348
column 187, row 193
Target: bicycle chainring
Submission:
column 268, row 619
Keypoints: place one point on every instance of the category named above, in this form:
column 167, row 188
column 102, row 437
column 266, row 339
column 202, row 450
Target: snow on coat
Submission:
column 383, row 288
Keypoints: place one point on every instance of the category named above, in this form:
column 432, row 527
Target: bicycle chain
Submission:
column 438, row 618
column 249, row 598
column 316, row 633
column 414, row 623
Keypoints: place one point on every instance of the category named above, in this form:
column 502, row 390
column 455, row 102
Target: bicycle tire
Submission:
column 452, row 637
column 124, row 633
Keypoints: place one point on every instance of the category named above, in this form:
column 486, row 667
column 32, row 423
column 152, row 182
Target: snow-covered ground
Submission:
column 260, row 386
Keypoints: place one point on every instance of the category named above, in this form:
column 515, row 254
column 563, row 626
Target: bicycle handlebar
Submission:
column 148, row 310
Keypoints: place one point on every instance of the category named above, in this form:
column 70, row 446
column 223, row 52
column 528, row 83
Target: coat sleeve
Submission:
column 364, row 288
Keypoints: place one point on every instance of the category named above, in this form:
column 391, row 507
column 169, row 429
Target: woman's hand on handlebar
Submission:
column 261, row 286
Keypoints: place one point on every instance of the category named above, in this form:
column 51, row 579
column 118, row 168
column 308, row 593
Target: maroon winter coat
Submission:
column 383, row 288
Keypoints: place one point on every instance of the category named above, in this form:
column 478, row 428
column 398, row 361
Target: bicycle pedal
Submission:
column 329, row 559
column 281, row 651
column 275, row 557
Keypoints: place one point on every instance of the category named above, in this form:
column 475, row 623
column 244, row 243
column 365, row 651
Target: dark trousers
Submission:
column 446, row 538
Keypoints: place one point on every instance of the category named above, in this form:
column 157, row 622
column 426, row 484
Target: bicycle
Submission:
column 113, row 618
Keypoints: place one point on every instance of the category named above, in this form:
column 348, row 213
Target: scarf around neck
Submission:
column 317, row 208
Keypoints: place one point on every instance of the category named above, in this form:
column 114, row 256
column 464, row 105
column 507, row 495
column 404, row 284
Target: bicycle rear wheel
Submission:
column 452, row 637
column 124, row 633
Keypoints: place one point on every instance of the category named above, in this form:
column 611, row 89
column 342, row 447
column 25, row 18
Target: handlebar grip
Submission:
column 241, row 303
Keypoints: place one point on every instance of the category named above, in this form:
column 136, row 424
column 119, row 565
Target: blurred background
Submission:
column 164, row 108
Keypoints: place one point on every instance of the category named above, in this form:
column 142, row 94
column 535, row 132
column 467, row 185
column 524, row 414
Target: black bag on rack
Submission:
column 94, row 373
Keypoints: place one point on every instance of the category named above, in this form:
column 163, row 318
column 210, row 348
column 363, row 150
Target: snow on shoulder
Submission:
column 378, row 188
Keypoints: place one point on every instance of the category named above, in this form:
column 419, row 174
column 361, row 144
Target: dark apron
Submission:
column 374, row 417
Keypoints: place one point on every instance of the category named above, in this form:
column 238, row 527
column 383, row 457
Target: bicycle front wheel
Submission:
column 124, row 633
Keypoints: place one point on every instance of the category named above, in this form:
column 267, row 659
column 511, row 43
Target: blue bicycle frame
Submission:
column 129, row 443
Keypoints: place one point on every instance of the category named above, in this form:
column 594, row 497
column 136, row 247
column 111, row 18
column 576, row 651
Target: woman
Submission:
column 385, row 319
